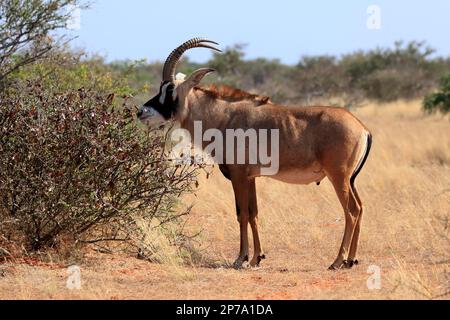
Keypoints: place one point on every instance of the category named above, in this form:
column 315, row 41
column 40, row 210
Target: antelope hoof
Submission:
column 349, row 264
column 333, row 267
column 257, row 260
column 239, row 263
column 338, row 266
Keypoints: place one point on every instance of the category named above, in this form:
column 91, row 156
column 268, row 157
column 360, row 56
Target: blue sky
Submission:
column 136, row 29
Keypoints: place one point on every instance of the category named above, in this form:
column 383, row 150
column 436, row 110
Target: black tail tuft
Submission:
column 366, row 155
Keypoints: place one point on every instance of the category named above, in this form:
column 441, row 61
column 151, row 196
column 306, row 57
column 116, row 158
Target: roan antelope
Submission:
column 314, row 143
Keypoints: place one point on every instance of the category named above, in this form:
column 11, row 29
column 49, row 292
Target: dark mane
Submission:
column 233, row 95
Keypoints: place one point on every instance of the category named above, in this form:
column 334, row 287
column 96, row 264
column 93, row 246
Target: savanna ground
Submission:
column 405, row 187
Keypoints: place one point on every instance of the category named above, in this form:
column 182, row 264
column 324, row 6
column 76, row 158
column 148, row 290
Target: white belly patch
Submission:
column 300, row 176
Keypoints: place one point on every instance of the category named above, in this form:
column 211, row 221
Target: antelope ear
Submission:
column 197, row 76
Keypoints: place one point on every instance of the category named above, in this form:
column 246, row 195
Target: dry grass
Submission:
column 406, row 189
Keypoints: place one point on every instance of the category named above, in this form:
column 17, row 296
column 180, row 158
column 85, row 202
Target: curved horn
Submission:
column 173, row 59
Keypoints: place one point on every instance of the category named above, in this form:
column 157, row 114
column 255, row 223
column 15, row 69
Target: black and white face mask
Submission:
column 161, row 108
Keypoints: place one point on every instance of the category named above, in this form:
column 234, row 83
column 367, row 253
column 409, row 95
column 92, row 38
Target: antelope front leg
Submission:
column 253, row 211
column 240, row 187
column 243, row 252
column 258, row 254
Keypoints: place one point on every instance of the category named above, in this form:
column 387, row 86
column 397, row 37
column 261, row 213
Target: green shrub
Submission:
column 64, row 70
column 439, row 101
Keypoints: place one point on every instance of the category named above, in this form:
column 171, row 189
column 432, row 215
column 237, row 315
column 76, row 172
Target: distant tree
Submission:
column 315, row 76
column 386, row 74
column 25, row 30
column 439, row 101
column 229, row 61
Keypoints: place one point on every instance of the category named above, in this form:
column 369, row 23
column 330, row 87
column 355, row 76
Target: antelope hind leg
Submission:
column 351, row 211
column 351, row 261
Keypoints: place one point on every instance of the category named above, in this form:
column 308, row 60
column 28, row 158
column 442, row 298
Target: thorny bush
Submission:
column 78, row 166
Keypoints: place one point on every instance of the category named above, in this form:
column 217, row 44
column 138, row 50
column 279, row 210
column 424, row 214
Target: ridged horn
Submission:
column 172, row 61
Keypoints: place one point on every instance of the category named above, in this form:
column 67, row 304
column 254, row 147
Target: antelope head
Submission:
column 164, row 107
